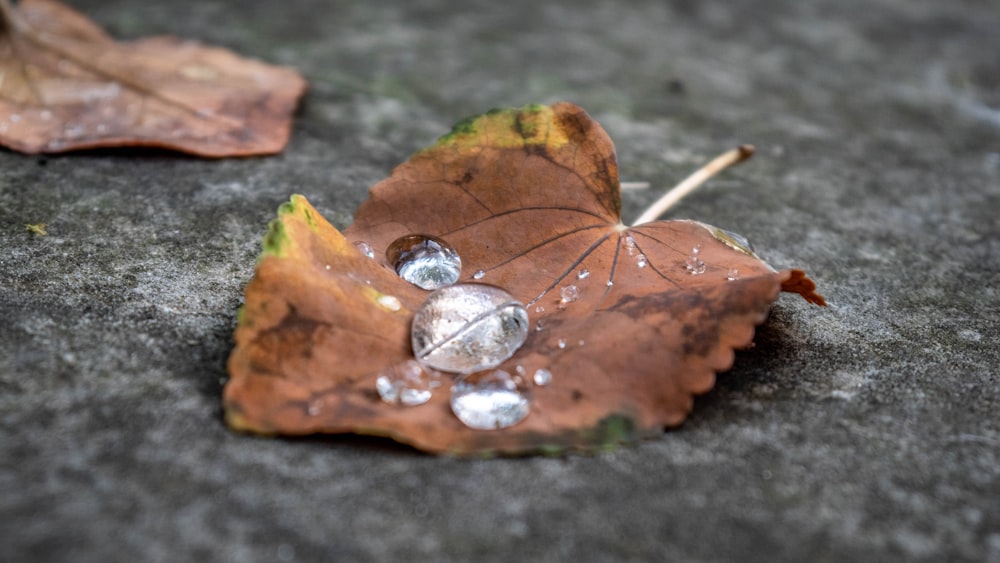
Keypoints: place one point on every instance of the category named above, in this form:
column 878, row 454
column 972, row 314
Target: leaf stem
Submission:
column 689, row 184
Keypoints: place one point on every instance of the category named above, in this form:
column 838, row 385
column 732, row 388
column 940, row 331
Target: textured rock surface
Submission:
column 866, row 431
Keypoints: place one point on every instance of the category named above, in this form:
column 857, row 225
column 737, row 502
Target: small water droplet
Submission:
column 641, row 261
column 425, row 261
column 542, row 377
column 479, row 274
column 630, row 245
column 365, row 248
column 733, row 274
column 74, row 130
column 314, row 408
column 390, row 302
column 539, row 325
column 408, row 384
column 327, row 266
column 610, row 283
column 568, row 294
column 695, row 265
column 468, row 327
column 520, row 369
column 562, row 343
column 580, row 343
column 489, row 401
column 539, row 309
column 583, row 274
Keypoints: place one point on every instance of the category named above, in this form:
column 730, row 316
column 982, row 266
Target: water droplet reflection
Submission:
column 425, row 261
column 489, row 401
column 468, row 327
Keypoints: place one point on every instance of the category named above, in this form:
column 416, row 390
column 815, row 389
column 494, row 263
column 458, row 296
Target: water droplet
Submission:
column 468, row 327
column 542, row 377
column 365, row 248
column 580, row 343
column 45, row 115
column 520, row 369
column 583, row 274
column 390, row 302
column 425, row 261
column 539, row 325
column 74, row 130
column 568, row 294
column 489, row 401
column 733, row 274
column 15, row 118
column 610, row 283
column 630, row 245
column 539, row 309
column 479, row 274
column 314, row 408
column 641, row 261
column 327, row 266
column 408, row 384
column 695, row 265
column 562, row 343
column 733, row 240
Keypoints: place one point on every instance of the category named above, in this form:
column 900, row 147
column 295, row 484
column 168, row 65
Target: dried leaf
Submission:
column 66, row 85
column 529, row 197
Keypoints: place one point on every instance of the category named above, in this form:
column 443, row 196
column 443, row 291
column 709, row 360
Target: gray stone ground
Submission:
column 867, row 431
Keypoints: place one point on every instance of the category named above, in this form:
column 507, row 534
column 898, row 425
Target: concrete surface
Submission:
column 868, row 431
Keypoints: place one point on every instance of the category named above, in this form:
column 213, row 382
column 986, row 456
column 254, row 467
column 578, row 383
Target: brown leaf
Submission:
column 66, row 85
column 530, row 197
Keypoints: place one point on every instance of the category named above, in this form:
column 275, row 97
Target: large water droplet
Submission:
column 468, row 327
column 407, row 384
column 489, row 401
column 480, row 274
column 425, row 261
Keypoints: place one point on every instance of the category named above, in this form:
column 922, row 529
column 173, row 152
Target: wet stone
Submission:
column 465, row 328
column 425, row 261
column 489, row 401
column 407, row 384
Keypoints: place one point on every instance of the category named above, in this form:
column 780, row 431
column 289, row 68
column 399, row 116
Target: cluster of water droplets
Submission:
column 694, row 264
column 470, row 329
column 467, row 329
